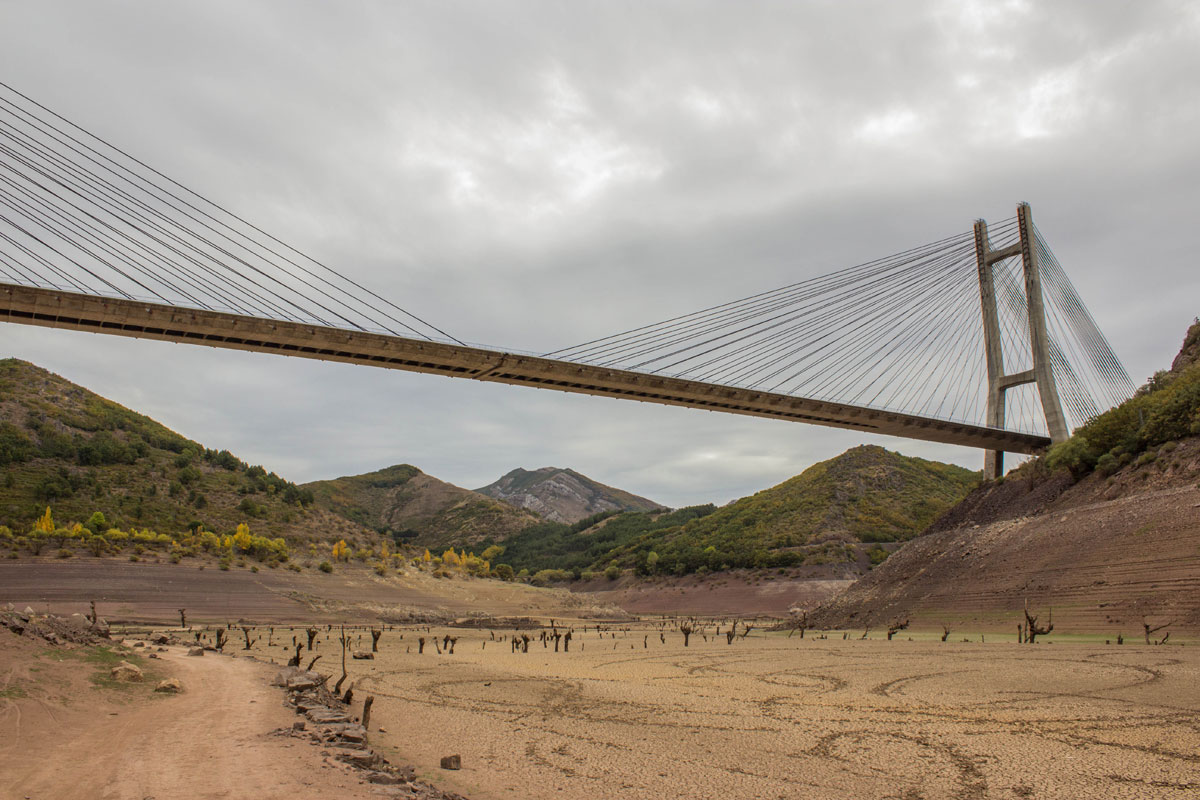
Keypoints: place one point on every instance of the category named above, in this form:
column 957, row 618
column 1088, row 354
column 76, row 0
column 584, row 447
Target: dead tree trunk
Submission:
column 312, row 634
column 375, row 634
column 420, row 645
column 310, row 663
column 249, row 641
column 895, row 627
column 1032, row 630
column 294, row 661
column 1149, row 630
column 345, row 640
column 92, row 616
column 567, row 642
column 945, row 631
column 686, row 630
column 220, row 640
column 183, row 618
column 366, row 715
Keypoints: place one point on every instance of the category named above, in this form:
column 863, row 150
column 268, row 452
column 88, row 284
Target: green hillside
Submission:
column 1164, row 410
column 865, row 495
column 419, row 509
column 65, row 447
column 578, row 547
column 833, row 512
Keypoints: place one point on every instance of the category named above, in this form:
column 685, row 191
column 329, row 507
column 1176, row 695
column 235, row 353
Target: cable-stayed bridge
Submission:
column 978, row 339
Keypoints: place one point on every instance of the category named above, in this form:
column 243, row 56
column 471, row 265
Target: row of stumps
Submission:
column 329, row 721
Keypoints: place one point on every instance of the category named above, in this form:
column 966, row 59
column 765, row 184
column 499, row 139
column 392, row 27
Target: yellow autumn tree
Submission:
column 341, row 551
column 383, row 550
column 451, row 557
column 241, row 539
column 426, row 558
column 45, row 523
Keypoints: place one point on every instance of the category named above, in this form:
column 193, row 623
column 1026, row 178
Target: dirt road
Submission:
column 212, row 741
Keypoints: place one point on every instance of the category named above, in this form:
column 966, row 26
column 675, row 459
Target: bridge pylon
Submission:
column 1041, row 372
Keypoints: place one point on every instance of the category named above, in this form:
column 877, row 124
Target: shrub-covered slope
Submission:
column 563, row 495
column 66, row 447
column 822, row 516
column 867, row 494
column 419, row 509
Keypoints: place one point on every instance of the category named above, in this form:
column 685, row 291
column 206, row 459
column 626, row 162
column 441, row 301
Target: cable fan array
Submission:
column 901, row 333
column 79, row 214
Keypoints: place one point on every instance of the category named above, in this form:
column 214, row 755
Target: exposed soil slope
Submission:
column 145, row 592
column 418, row 508
column 1105, row 553
column 563, row 495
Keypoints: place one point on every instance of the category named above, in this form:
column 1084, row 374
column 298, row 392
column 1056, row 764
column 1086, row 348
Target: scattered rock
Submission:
column 170, row 686
column 452, row 762
column 196, row 651
column 129, row 673
column 385, row 778
column 363, row 655
column 359, row 758
column 325, row 716
column 139, row 644
column 298, row 725
column 160, row 638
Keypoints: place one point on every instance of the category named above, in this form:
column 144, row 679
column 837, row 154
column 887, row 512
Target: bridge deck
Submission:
column 59, row 309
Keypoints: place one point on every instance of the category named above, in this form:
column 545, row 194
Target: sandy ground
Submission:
column 773, row 717
column 63, row 738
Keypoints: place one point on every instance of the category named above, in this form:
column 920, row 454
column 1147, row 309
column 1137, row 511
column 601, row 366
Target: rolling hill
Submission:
column 419, row 509
column 827, row 515
column 68, row 448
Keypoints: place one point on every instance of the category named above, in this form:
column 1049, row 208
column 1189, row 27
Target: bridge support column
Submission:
column 1042, row 373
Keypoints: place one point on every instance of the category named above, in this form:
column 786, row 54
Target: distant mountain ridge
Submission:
column 419, row 509
column 563, row 495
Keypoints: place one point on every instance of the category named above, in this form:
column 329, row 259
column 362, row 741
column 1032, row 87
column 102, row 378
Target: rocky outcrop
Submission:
column 563, row 495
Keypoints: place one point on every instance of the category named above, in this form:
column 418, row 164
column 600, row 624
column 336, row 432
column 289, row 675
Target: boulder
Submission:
column 160, row 638
column 129, row 673
column 169, row 686
column 452, row 762
column 363, row 655
column 196, row 651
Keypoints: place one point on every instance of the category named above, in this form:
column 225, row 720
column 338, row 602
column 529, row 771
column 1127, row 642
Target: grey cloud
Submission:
column 534, row 175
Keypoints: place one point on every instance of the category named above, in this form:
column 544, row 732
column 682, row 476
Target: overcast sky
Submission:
column 535, row 174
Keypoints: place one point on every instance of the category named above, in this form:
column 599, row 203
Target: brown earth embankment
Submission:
column 1106, row 554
